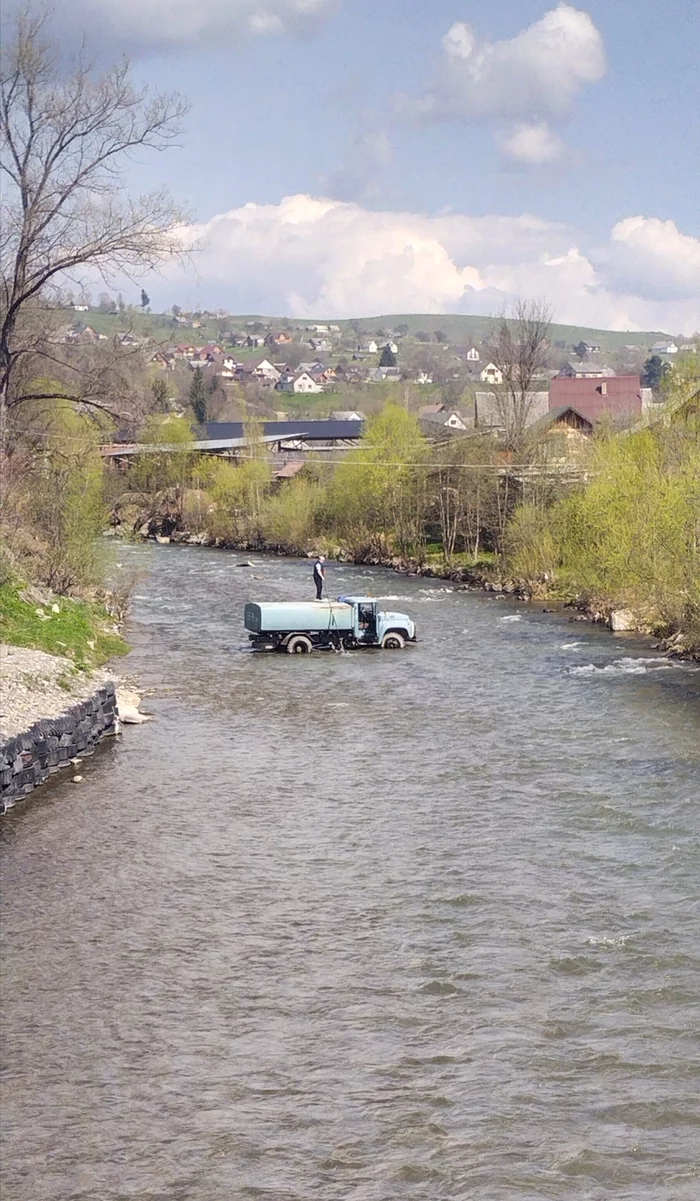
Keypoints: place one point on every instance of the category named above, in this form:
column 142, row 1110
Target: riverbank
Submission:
column 36, row 685
column 58, row 698
column 480, row 577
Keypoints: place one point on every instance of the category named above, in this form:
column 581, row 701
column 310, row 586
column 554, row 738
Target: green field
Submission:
column 459, row 329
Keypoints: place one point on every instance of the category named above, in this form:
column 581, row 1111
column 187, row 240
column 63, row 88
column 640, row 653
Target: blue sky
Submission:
column 468, row 153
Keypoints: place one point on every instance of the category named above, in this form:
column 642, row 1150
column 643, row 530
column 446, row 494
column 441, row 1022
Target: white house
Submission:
column 369, row 347
column 423, row 378
column 473, row 355
column 445, row 420
column 304, row 383
column 265, row 370
column 491, row 374
column 348, row 415
column 80, row 308
column 664, row 348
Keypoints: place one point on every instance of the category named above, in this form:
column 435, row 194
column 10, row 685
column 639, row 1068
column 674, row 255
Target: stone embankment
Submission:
column 50, row 716
column 51, row 743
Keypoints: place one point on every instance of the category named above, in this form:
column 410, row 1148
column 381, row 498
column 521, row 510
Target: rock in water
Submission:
column 128, row 707
column 622, row 621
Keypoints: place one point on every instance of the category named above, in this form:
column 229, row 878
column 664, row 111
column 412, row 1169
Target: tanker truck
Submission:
column 299, row 627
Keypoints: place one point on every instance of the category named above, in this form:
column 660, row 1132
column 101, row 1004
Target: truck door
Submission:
column 367, row 621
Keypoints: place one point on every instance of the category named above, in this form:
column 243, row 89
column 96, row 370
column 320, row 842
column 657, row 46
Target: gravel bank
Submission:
column 34, row 685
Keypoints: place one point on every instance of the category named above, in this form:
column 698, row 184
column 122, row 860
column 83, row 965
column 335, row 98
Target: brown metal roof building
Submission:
column 619, row 397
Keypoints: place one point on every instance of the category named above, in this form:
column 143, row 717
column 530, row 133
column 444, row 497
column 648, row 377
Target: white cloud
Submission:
column 653, row 256
column 318, row 257
column 533, row 145
column 535, row 75
column 141, row 26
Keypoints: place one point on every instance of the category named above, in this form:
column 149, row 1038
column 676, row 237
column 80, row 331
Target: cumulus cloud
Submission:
column 534, row 145
column 143, row 26
column 310, row 256
column 531, row 79
column 653, row 257
column 537, row 74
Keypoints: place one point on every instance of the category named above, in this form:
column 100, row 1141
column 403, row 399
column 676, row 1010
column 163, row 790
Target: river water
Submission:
column 361, row 926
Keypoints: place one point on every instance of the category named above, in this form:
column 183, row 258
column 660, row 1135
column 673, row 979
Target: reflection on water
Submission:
column 361, row 926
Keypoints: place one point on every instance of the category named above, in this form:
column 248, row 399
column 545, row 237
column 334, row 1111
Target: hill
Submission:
column 459, row 329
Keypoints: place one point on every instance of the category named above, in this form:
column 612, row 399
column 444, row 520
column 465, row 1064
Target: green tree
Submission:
column 160, row 394
column 388, row 358
column 198, row 396
column 377, row 497
column 61, row 501
column 145, row 299
column 655, row 371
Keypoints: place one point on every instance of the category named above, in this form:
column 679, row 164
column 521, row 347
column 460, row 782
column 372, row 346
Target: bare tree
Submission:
column 519, row 347
column 65, row 142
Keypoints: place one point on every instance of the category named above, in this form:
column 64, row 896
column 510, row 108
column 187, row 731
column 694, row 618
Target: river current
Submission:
column 367, row 926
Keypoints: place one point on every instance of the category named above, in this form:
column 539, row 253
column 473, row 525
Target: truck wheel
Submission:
column 393, row 642
column 299, row 645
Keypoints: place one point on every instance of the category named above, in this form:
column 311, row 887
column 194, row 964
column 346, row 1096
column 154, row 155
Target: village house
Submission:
column 586, row 370
column 278, row 339
column 86, row 334
column 620, row 398
column 491, row 374
column 320, row 345
column 378, row 375
column 444, row 419
column 473, row 355
column 562, row 434
column 264, row 371
column 489, row 409
column 80, row 308
column 368, row 347
column 348, row 415
column 423, row 378
column 665, row 347
column 301, row 383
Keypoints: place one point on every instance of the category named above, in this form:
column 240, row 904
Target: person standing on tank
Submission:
column 319, row 576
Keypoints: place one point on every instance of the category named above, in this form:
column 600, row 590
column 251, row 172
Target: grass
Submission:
column 79, row 631
column 459, row 329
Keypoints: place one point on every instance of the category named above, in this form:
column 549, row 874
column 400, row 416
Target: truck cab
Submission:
column 373, row 626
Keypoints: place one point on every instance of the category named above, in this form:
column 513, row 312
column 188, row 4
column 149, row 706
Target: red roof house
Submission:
column 618, row 397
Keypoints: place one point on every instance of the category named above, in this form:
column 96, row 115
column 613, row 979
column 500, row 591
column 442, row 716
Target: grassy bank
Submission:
column 79, row 630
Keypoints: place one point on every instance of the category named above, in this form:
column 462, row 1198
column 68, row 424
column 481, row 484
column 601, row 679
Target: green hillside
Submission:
column 459, row 329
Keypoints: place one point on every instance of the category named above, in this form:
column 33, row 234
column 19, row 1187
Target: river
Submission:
column 368, row 926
